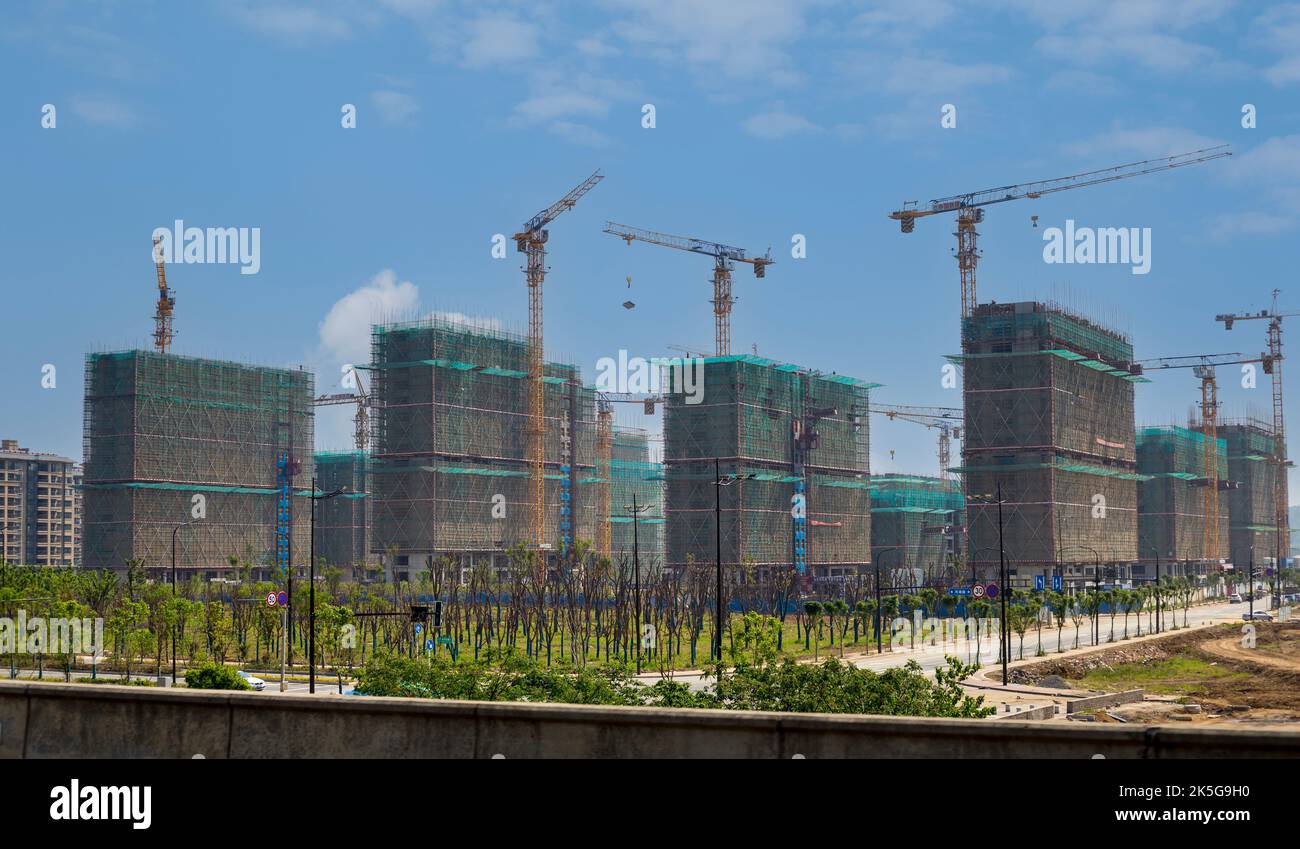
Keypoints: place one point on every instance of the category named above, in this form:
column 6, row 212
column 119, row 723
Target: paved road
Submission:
column 932, row 657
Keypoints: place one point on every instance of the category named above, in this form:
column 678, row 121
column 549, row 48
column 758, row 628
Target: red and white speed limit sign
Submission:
column 977, row 591
column 270, row 599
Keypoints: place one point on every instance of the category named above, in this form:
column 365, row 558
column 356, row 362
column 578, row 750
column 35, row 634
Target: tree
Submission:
column 813, row 611
column 1059, row 604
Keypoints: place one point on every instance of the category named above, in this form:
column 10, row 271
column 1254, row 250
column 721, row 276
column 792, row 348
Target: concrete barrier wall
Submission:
column 1104, row 701
column 108, row 721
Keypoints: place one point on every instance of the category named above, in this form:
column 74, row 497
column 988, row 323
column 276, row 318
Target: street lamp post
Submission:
column 635, row 510
column 174, row 532
column 877, row 558
column 720, row 481
column 311, row 590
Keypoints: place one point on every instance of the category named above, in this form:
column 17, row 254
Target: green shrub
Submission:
column 214, row 676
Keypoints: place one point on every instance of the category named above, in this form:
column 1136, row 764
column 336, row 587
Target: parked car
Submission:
column 1258, row 615
column 1235, row 598
column 252, row 681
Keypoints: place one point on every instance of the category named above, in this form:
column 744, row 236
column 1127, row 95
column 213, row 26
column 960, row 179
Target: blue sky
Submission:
column 773, row 118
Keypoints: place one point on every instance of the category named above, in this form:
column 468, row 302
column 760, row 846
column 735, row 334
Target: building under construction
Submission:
column 450, row 466
column 915, row 523
column 343, row 521
column 1182, row 519
column 1252, row 466
column 793, row 451
column 191, row 447
column 1048, row 399
column 635, row 480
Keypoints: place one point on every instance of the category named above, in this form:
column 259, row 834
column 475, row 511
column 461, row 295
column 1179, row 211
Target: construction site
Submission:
column 1049, row 460
column 200, row 453
column 470, row 444
column 1182, row 519
column 775, row 456
column 636, row 486
column 917, row 528
column 450, row 468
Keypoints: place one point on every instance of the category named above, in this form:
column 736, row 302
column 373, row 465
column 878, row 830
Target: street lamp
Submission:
column 174, row 532
column 635, row 510
column 876, row 558
column 1004, row 629
column 311, row 592
column 721, row 480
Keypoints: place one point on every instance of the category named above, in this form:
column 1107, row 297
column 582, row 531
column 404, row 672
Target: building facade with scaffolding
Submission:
column 1048, row 398
column 1252, row 532
column 343, row 521
column 635, row 479
column 450, row 468
column 794, row 444
column 217, row 453
column 1175, row 504
column 916, row 529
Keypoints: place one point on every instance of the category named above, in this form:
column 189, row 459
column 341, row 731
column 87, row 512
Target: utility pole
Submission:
column 1002, row 573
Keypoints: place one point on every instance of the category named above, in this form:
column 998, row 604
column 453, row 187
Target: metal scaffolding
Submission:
column 172, row 441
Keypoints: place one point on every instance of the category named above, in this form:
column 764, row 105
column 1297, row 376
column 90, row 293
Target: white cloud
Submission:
column 345, row 331
column 499, row 39
column 1147, row 142
column 102, row 110
column 1224, row 227
column 1152, row 33
column 578, row 133
column 1278, row 29
column 778, row 124
column 556, row 103
column 298, row 25
column 394, row 107
column 741, row 40
column 596, row 48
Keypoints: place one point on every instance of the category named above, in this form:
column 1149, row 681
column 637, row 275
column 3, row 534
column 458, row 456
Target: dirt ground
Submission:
column 1202, row 676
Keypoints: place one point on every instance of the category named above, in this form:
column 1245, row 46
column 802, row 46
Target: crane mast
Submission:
column 162, row 331
column 531, row 242
column 1273, row 367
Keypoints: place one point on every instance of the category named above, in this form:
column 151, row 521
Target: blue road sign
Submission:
column 991, row 591
column 428, row 645
column 419, row 629
column 1056, row 583
column 282, row 599
column 1040, row 582
column 959, row 590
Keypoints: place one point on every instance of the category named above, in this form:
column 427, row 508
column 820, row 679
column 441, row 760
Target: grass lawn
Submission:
column 1172, row 676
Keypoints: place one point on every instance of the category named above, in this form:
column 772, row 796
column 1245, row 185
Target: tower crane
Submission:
column 939, row 418
column 970, row 206
column 162, row 317
column 1273, row 367
column 724, row 259
column 361, row 398
column 531, row 241
column 1203, row 368
column 604, row 460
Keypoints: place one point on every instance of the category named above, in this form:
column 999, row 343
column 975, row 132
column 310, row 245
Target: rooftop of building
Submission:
column 11, row 450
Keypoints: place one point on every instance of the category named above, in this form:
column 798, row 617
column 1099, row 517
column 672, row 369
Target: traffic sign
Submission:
column 977, row 591
column 418, row 629
column 428, row 645
column 991, row 591
column 270, row 599
column 1056, row 583
column 959, row 591
column 282, row 599
column 1040, row 582
column 446, row 641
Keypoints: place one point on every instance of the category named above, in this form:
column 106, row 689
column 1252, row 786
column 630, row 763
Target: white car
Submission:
column 1258, row 615
column 252, row 681
column 1235, row 598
